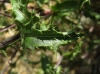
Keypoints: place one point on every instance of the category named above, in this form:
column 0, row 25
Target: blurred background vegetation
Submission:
column 80, row 56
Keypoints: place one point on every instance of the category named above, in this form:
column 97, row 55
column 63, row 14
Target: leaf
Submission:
column 48, row 41
column 45, row 63
column 35, row 32
column 47, row 35
column 4, row 52
column 32, row 42
column 66, row 6
column 72, row 54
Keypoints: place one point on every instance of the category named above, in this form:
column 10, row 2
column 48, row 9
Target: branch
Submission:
column 6, row 28
column 5, row 14
column 9, row 40
column 9, row 62
column 4, row 1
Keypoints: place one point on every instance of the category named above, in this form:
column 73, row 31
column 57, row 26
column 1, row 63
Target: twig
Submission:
column 6, row 28
column 4, row 1
column 9, row 40
column 9, row 62
column 5, row 14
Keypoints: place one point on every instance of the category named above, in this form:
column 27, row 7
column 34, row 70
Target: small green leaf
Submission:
column 4, row 52
column 66, row 6
column 32, row 42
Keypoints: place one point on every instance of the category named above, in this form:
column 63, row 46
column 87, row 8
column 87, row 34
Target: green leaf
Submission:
column 45, row 63
column 48, row 41
column 4, row 52
column 32, row 42
column 72, row 54
column 66, row 6
column 52, row 36
column 35, row 32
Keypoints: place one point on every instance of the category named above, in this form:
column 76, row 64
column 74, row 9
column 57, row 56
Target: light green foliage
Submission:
column 4, row 52
column 49, row 27
column 32, row 42
column 30, row 25
column 35, row 32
